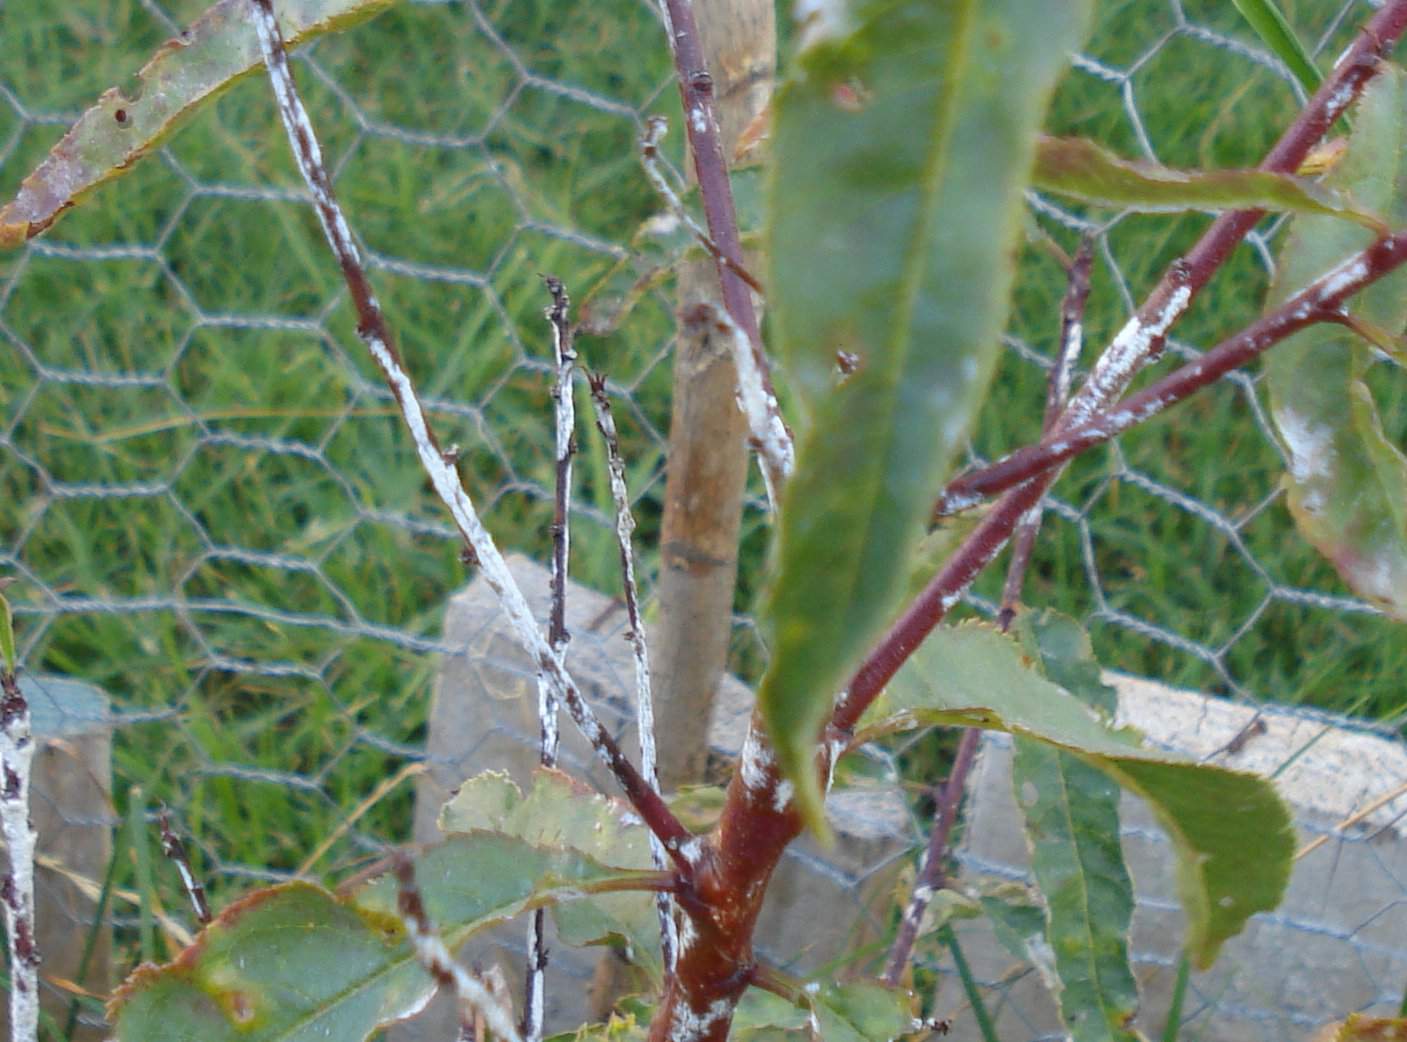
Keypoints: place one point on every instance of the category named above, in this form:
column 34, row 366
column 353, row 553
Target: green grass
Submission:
column 249, row 436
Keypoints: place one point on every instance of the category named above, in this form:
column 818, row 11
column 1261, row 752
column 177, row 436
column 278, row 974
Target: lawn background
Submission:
column 215, row 517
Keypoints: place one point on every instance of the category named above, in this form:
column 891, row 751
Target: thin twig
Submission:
column 1319, row 301
column 17, row 887
column 1141, row 339
column 1072, row 318
column 564, row 413
column 682, row 846
column 755, row 391
column 1353, row 819
column 175, row 852
column 644, row 697
column 471, row 994
column 655, row 129
column 933, row 875
column 1322, row 300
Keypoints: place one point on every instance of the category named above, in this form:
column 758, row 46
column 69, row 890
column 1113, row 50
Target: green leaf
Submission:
column 1072, row 824
column 294, row 963
column 7, row 632
column 1270, row 23
column 561, row 813
column 1086, row 170
column 1347, row 481
column 1230, row 831
column 855, row 1011
column 186, row 72
column 901, row 150
column 1018, row 923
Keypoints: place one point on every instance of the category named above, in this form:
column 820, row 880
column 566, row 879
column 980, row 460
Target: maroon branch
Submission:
column 1141, row 340
column 758, row 823
column 644, row 694
column 771, row 438
column 1321, row 301
column 681, row 844
column 933, row 875
column 711, row 168
column 564, row 415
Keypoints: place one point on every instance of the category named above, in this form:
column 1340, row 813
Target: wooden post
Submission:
column 708, row 454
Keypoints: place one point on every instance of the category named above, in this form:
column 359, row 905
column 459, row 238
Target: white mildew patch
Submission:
column 1343, row 277
column 691, row 850
column 759, row 407
column 690, row 1026
column 756, row 761
column 17, row 754
column 1311, row 448
column 782, row 796
column 688, row 934
column 698, row 119
column 1125, row 356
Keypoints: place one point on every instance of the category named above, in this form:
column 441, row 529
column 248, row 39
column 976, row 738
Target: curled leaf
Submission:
column 1085, row 170
column 129, row 121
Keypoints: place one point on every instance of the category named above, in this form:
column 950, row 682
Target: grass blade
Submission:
column 1275, row 31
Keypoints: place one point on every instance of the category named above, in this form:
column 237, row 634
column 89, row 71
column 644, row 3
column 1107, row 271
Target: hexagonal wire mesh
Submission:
column 215, row 517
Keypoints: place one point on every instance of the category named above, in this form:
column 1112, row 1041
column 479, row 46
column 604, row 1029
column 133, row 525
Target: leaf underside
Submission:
column 559, row 812
column 294, row 963
column 901, row 150
column 185, row 73
column 1072, row 823
column 1230, row 832
column 1347, row 481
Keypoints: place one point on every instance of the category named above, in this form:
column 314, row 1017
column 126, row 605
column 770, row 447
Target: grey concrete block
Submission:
column 484, row 716
column 1338, row 943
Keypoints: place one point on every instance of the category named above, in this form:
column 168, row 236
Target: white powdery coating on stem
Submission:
column 443, row 477
column 471, row 993
column 756, row 762
column 689, row 1026
column 1345, row 276
column 759, row 406
column 1125, row 356
column 644, row 695
column 1069, row 356
column 16, row 755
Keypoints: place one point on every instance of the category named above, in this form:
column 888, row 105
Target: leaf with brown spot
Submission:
column 185, row 73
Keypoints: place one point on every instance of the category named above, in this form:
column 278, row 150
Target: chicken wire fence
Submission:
column 214, row 517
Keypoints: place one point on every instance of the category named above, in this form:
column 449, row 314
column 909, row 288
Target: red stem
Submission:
column 724, row 898
column 1305, row 308
column 933, row 876
column 711, row 169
